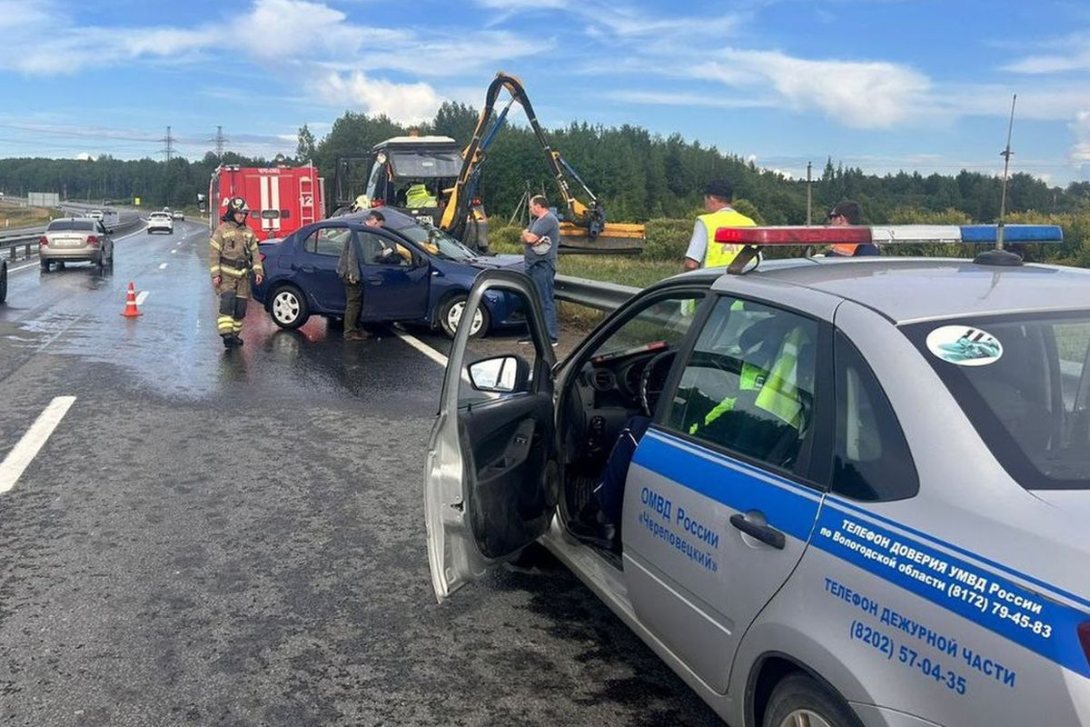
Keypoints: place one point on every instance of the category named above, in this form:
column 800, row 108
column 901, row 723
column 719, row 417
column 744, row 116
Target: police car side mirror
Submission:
column 500, row 375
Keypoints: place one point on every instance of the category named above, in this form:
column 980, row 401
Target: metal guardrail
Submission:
column 593, row 293
column 29, row 240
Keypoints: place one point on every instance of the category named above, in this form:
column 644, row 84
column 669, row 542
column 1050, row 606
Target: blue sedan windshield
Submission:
column 436, row 242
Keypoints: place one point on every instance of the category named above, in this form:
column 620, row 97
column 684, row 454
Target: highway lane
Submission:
column 213, row 537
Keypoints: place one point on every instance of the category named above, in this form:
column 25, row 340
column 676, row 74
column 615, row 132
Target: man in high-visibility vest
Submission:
column 704, row 251
column 849, row 213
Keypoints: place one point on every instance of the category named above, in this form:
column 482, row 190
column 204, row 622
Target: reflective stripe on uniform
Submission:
column 780, row 394
column 215, row 270
column 225, row 324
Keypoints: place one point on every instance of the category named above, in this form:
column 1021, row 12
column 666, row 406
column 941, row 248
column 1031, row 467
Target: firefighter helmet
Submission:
column 234, row 205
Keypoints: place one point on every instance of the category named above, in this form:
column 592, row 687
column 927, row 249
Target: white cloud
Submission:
column 670, row 98
column 517, row 5
column 21, row 14
column 856, row 93
column 163, row 42
column 286, row 28
column 1080, row 152
column 1069, row 53
column 407, row 103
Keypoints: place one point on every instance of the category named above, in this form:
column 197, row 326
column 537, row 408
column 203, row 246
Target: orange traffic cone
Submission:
column 131, row 311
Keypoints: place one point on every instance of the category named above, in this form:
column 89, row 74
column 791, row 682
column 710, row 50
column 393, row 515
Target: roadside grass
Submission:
column 631, row 270
column 12, row 215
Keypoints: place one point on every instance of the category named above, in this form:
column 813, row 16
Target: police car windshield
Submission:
column 1024, row 382
column 436, row 241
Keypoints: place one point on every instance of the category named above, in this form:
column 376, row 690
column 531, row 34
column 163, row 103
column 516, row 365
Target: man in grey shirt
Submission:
column 541, row 239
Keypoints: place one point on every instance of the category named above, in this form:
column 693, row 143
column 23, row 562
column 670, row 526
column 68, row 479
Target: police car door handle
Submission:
column 764, row 533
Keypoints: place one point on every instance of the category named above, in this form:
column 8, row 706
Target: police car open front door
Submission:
column 716, row 512
column 490, row 479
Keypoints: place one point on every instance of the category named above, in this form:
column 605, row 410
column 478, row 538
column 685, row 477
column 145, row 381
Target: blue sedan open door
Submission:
column 491, row 475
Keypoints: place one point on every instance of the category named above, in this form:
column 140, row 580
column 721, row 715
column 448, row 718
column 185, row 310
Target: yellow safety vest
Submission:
column 718, row 254
column 417, row 196
column 780, row 394
column 778, row 387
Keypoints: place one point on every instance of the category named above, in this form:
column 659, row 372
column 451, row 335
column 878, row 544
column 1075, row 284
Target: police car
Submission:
column 861, row 498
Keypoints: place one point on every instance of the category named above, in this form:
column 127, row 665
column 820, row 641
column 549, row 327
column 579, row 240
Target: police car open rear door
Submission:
column 490, row 478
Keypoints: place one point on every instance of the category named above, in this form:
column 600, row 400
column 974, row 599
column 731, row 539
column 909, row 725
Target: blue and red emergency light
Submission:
column 754, row 238
column 887, row 234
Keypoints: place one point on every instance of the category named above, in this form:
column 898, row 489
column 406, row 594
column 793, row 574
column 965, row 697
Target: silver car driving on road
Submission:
column 830, row 492
column 75, row 239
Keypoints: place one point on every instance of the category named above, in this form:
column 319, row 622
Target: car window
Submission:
column 327, row 240
column 71, row 225
column 1024, row 383
column 378, row 250
column 426, row 164
column 435, row 241
column 872, row 460
column 663, row 322
column 748, row 386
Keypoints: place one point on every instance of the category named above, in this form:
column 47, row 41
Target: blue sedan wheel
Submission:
column 450, row 315
column 288, row 307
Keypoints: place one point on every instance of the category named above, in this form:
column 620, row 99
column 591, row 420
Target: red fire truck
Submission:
column 281, row 199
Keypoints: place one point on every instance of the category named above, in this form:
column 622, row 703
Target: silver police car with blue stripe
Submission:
column 828, row 492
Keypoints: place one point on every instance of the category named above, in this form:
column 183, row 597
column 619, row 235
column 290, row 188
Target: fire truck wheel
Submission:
column 288, row 307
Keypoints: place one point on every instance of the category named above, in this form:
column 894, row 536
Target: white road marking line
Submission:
column 11, row 469
column 174, row 252
column 163, row 266
column 142, row 296
column 422, row 347
column 23, row 267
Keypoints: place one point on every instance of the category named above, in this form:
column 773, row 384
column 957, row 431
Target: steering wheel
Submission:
column 649, row 396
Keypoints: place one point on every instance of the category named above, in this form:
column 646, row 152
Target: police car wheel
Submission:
column 450, row 314
column 800, row 700
column 288, row 307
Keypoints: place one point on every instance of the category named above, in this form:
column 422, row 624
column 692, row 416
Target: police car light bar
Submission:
column 888, row 234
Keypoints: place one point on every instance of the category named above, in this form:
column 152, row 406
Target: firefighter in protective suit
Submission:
column 232, row 255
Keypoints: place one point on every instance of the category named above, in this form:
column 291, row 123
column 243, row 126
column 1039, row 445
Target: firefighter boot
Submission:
column 228, row 341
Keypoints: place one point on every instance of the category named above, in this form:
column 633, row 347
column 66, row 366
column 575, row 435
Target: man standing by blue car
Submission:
column 542, row 238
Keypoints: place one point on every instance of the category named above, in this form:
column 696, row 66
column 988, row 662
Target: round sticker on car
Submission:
column 964, row 346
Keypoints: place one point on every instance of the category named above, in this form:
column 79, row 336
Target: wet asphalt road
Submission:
column 237, row 538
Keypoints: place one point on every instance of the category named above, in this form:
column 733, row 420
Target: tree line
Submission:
column 637, row 175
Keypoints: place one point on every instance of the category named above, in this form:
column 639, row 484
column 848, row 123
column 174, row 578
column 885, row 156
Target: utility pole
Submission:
column 220, row 141
column 169, row 150
column 1006, row 154
column 809, row 199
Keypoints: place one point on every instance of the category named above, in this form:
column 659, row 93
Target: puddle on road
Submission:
column 187, row 360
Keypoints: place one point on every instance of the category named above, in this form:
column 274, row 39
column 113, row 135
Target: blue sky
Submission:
column 919, row 85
